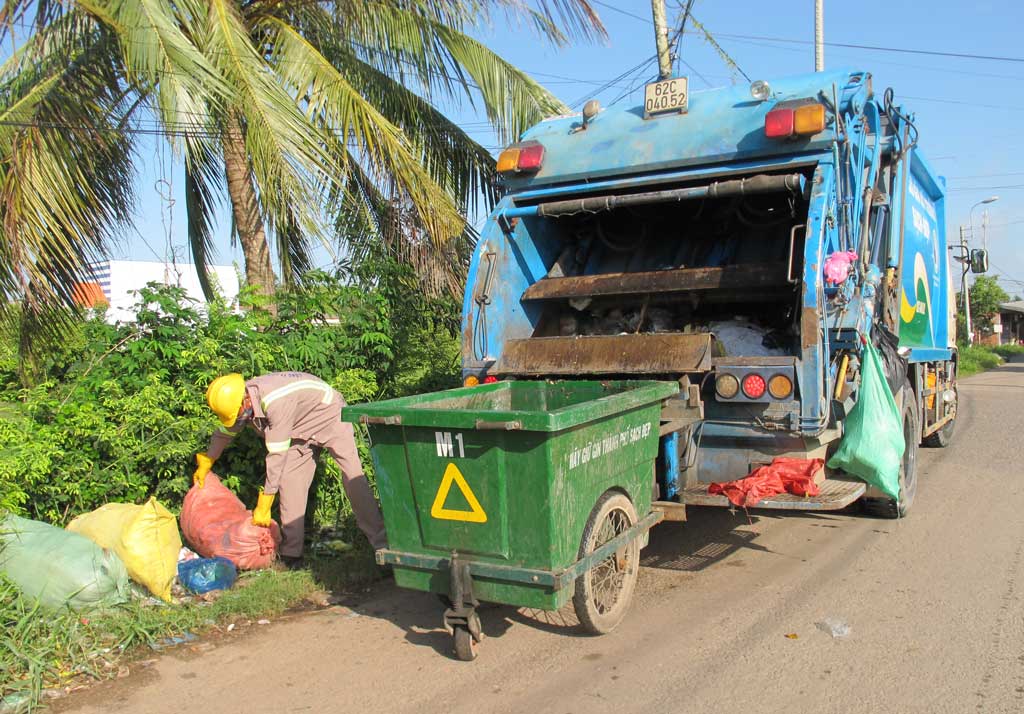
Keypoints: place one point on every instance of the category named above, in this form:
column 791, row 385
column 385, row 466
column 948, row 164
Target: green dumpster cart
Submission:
column 525, row 493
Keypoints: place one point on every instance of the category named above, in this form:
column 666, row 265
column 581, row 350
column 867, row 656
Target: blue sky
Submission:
column 969, row 111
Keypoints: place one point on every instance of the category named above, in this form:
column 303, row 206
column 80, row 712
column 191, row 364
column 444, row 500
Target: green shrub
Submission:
column 118, row 412
column 977, row 358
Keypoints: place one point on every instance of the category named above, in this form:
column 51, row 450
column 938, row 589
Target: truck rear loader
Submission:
column 686, row 239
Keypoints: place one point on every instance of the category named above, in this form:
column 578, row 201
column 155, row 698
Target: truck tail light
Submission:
column 727, row 386
column 753, row 386
column 490, row 379
column 809, row 119
column 802, row 120
column 471, row 381
column 524, row 157
column 780, row 386
column 778, row 123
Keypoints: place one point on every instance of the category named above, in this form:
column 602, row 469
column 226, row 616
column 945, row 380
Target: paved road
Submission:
column 934, row 603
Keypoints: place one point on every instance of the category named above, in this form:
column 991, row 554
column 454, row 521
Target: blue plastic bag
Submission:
column 202, row 575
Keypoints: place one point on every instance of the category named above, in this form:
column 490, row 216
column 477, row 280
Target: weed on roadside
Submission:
column 42, row 649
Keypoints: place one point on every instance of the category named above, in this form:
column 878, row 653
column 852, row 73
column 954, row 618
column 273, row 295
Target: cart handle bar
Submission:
column 499, row 425
column 393, row 420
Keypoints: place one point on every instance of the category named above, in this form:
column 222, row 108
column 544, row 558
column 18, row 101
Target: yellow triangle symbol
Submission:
column 475, row 514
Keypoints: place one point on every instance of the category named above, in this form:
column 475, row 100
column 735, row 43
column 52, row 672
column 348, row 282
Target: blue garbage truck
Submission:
column 745, row 242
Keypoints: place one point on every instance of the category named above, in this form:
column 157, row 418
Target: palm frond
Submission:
column 512, row 100
column 332, row 102
column 66, row 175
column 158, row 43
column 460, row 165
column 372, row 221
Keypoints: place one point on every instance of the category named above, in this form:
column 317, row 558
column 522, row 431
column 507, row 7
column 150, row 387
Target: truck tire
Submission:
column 898, row 508
column 944, row 436
column 603, row 593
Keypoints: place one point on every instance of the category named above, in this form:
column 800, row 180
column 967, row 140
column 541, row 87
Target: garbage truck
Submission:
column 686, row 239
column 670, row 296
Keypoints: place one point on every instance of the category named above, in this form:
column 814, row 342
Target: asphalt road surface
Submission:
column 724, row 618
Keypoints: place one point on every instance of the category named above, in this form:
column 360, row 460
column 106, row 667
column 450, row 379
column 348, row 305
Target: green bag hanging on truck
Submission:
column 872, row 445
column 59, row 568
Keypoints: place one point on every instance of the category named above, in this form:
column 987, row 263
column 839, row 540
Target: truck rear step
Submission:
column 835, row 494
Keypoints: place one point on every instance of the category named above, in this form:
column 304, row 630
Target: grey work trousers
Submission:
column 294, row 489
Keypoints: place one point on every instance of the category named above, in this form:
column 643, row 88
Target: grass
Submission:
column 977, row 358
column 42, row 649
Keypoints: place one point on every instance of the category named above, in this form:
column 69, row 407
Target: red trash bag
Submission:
column 783, row 475
column 216, row 524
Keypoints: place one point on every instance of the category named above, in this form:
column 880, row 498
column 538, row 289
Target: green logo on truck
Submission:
column 916, row 317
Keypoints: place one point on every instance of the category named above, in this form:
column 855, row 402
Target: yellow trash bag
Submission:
column 145, row 537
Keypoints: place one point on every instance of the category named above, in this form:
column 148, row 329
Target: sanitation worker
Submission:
column 298, row 415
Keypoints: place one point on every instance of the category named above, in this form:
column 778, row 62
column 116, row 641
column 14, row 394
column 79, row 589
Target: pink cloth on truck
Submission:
column 217, row 524
column 837, row 266
column 783, row 475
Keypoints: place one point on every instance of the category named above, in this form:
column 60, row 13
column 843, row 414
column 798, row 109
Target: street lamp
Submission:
column 990, row 199
column 964, row 287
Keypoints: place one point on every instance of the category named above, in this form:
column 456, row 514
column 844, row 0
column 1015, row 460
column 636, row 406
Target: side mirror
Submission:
column 979, row 260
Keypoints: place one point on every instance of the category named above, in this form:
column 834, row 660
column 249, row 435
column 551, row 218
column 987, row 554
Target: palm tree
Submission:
column 306, row 114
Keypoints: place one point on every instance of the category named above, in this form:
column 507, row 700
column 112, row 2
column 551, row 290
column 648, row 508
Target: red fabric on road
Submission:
column 782, row 475
column 216, row 524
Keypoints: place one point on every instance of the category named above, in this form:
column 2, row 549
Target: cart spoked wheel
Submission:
column 603, row 593
column 465, row 644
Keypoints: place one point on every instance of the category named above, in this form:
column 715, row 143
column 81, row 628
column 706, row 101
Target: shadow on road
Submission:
column 709, row 536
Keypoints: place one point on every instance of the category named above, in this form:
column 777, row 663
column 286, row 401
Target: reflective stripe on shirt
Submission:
column 278, row 447
column 298, row 386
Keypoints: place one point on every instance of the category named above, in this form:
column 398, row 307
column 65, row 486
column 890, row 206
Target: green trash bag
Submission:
column 872, row 445
column 60, row 568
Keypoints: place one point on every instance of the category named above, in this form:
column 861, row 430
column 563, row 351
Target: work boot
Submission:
column 293, row 562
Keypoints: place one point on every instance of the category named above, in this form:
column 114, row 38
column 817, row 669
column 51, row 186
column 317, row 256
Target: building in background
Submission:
column 1011, row 323
column 115, row 283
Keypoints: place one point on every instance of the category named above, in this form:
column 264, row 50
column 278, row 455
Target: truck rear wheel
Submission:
column 603, row 592
column 898, row 508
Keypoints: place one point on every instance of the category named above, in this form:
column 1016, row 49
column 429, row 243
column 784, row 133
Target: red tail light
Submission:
column 531, row 157
column 490, row 379
column 754, row 386
column 525, row 157
column 778, row 123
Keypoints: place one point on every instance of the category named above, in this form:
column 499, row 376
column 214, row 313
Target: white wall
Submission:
column 119, row 278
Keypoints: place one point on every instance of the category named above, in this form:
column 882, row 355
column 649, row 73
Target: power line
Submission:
column 965, row 104
column 1012, row 187
column 649, row 21
column 872, row 48
column 977, row 176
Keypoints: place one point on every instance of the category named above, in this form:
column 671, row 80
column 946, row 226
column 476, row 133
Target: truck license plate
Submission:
column 669, row 95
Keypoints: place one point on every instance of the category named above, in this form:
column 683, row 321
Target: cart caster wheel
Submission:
column 603, row 593
column 465, row 645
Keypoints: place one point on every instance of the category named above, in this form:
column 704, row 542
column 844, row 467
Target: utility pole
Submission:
column 819, row 35
column 661, row 39
column 964, row 287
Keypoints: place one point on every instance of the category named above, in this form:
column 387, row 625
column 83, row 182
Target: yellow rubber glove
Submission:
column 261, row 514
column 203, row 465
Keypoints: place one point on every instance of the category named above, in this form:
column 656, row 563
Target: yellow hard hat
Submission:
column 225, row 396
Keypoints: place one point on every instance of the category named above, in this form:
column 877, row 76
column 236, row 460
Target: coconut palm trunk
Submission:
column 252, row 235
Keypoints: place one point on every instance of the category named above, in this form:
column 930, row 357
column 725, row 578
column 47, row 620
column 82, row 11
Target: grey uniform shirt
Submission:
column 286, row 406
